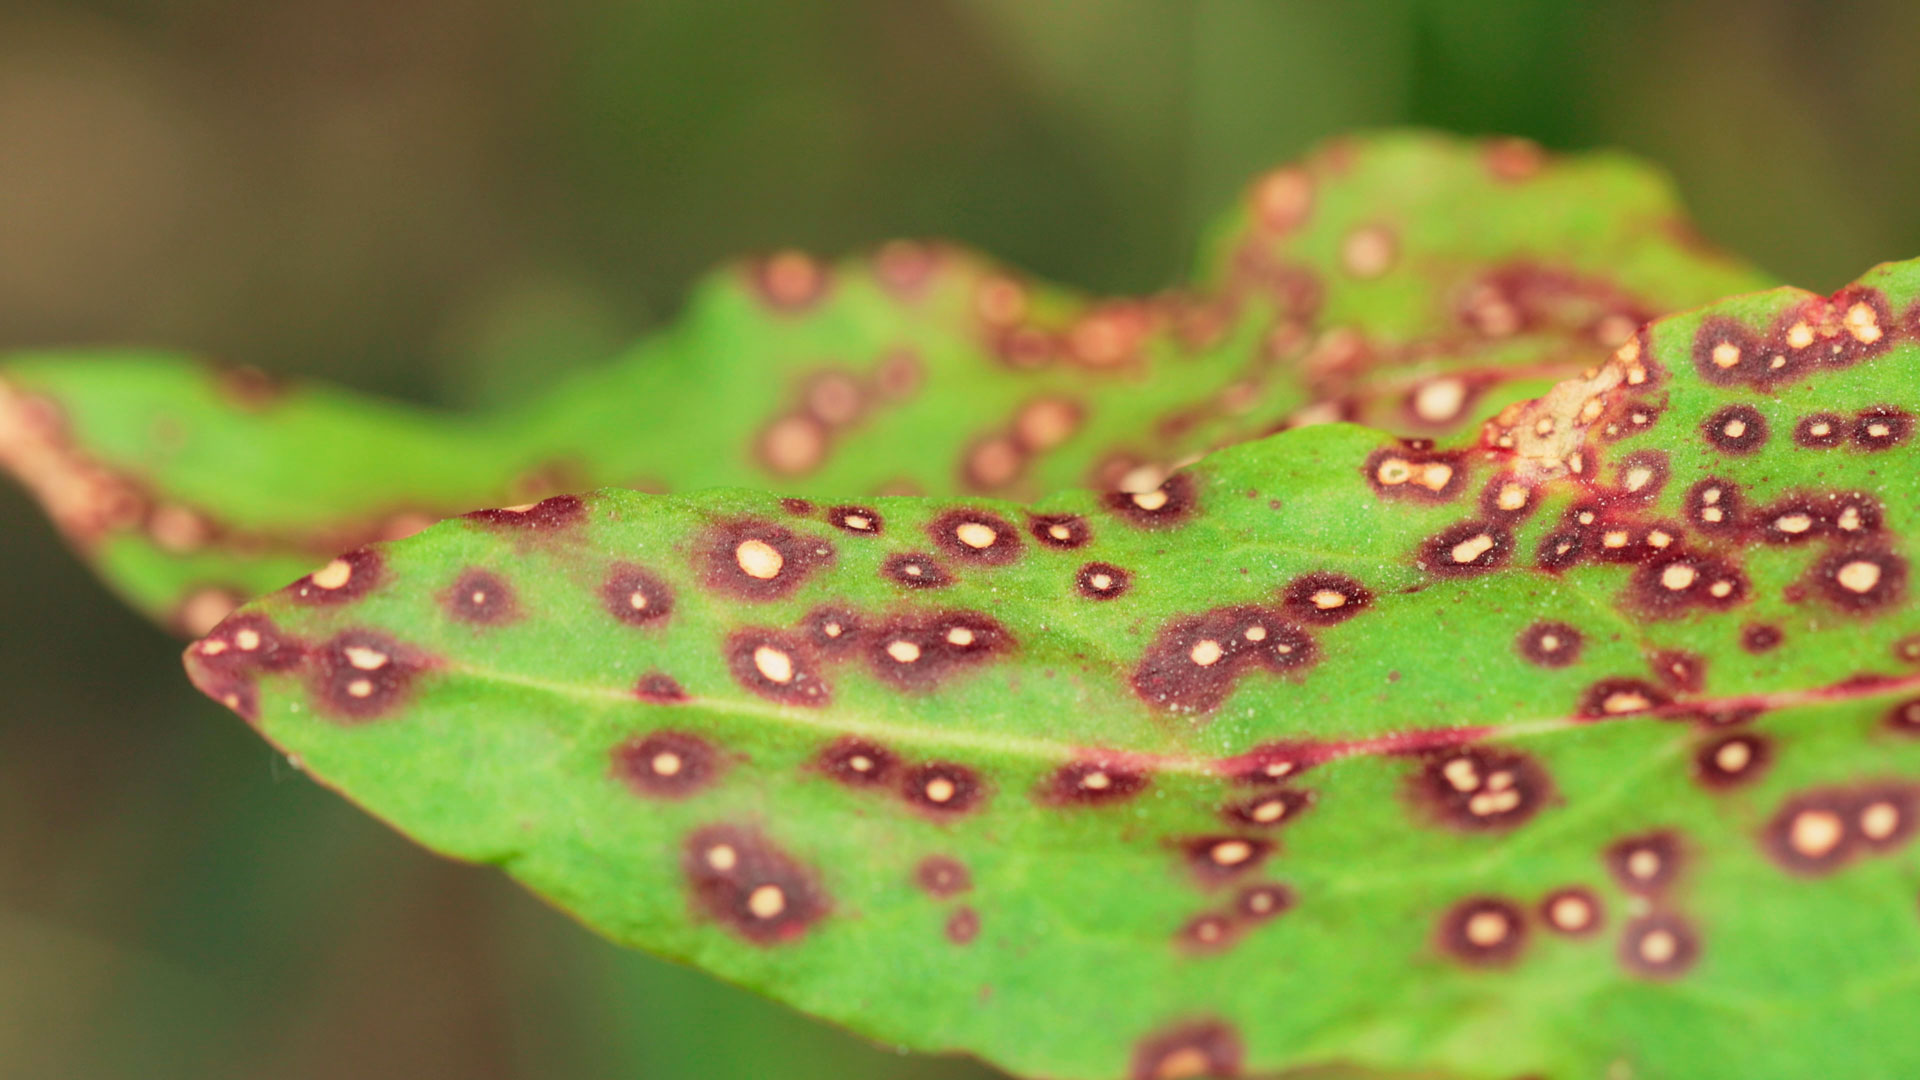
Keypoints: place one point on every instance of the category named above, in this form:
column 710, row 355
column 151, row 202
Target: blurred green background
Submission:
column 452, row 200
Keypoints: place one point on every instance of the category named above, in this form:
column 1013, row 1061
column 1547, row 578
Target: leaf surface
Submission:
column 1411, row 281
column 1591, row 750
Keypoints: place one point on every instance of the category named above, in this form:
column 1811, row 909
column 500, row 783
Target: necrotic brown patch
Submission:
column 1324, row 598
column 1860, row 580
column 1194, row 661
column 777, row 666
column 659, row 688
column 741, row 880
column 1661, row 945
column 759, row 560
column 860, row 520
column 942, row 877
column 1481, row 787
column 341, row 581
column 1882, row 427
column 547, row 515
column 1095, row 782
column 1575, row 911
column 976, row 536
column 858, row 763
column 1645, row 864
column 1549, row 644
column 1165, row 507
column 1483, row 931
column 1820, row 431
column 919, row 652
column 667, row 764
column 1102, row 581
column 635, row 596
column 1736, row 429
column 361, row 675
column 1270, row 809
column 1209, row 1049
column 912, row 570
column 1732, row 760
column 1064, row 531
column 481, row 598
column 942, row 788
column 1467, row 550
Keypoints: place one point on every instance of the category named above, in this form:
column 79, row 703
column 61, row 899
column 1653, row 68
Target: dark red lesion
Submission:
column 1821, row 431
column 361, row 674
column 1206, row 1048
column 547, row 515
column 740, row 879
column 1417, row 472
column 1216, row 859
column 1646, row 864
column 914, row 570
column 1270, row 809
column 919, row 652
column 1483, row 932
column 1550, row 644
column 1095, row 782
column 1760, row 637
column 975, row 536
column 1904, row 718
column 1640, row 477
column 635, row 595
column 1467, row 549
column 344, row 580
column 1063, row 531
column 1195, row 661
column 667, row 764
column 1716, row 506
column 1860, row 580
column 1660, row 945
column 482, row 598
column 833, row 629
column 1324, row 598
column 943, row 788
column 1610, row 698
column 941, row 877
column 1481, row 788
column 860, row 520
column 659, row 688
column 1732, row 760
column 1102, row 581
column 759, row 560
column 1573, row 911
column 963, row 925
column 1736, row 429
column 1682, row 672
column 858, row 763
column 1826, row 829
column 778, row 666
column 1171, row 504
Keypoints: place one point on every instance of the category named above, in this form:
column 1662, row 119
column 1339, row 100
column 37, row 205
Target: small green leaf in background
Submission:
column 1589, row 750
column 1412, row 281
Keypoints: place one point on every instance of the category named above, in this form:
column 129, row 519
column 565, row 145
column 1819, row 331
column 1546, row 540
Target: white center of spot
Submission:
column 1206, row 652
column 773, row 665
column 1440, row 400
column 246, row 640
column 940, row 790
column 1328, row 599
column 1815, row 833
column 666, row 763
column 1726, row 354
column 1150, row 501
column 975, row 535
column 767, row 902
column 960, row 636
column 758, row 559
column 905, row 652
column 722, row 857
column 334, row 575
column 1486, row 928
column 1677, row 577
column 365, row 658
column 1859, row 576
column 1468, row 550
column 1231, row 852
column 1879, row 821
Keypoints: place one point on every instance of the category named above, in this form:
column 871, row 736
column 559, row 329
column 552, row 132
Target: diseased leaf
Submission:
column 1592, row 750
column 1413, row 281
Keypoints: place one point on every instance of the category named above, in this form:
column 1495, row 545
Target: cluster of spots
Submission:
column 1481, row 787
column 741, row 880
column 1822, row 830
column 360, row 674
column 345, row 579
column 918, row 652
column 1819, row 334
column 667, row 764
column 1166, row 506
column 1103, row 336
column 547, row 515
column 482, row 598
column 226, row 662
column 758, row 560
column 943, row 879
column 1417, row 472
column 1189, row 1051
column 828, row 403
column 1657, row 943
column 1214, row 931
column 1000, row 457
column 941, row 789
column 1615, row 697
column 1526, row 298
column 1195, row 661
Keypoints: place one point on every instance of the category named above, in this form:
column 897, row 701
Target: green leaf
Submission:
column 1592, row 750
column 1409, row 280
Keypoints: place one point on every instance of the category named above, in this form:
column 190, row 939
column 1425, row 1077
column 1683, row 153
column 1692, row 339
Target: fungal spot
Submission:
column 481, row 598
column 1483, row 931
column 1164, row 507
column 1682, row 672
column 1194, row 661
column 1727, row 353
column 1760, row 638
column 963, row 926
column 1369, row 251
column 858, row 763
column 1670, row 584
column 1506, row 498
column 919, row 652
column 941, row 877
column 740, row 879
column 1550, row 644
column 1439, row 401
column 635, row 596
column 1273, row 808
column 1810, row 833
column 777, row 666
column 758, row 560
column 1860, row 580
column 1736, row 429
column 246, row 644
column 1324, row 599
column 666, row 764
column 658, row 688
column 1715, row 506
column 361, row 675
column 912, row 570
column 1094, row 783
column 1820, row 431
column 1416, row 473
column 1206, row 933
column 1560, row 550
column 1573, row 911
column 1661, row 945
column 1609, row 698
column 976, row 536
column 1481, row 788
column 942, row 788
column 856, row 519
column 1882, row 427
column 1905, row 718
column 1261, row 902
column 1642, row 475
column 1217, row 858
column 1102, row 581
column 1208, row 1049
column 345, row 579
column 1467, row 549
column 1065, row 531
column 1645, row 864
column 547, row 515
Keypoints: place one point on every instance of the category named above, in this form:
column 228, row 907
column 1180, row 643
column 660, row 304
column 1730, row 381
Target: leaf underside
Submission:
column 1589, row 750
column 1410, row 281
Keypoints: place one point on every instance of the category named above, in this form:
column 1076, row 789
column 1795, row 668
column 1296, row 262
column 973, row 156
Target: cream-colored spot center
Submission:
column 1470, row 549
column 905, row 652
column 1734, row 429
column 759, row 559
column 1231, row 852
column 1393, row 472
column 860, row 763
column 1462, row 774
column 1800, row 335
column 1879, row 820
column 1206, row 652
column 773, row 664
column 1659, row 947
column 667, row 763
column 1571, row 913
column 1625, row 701
column 1726, row 354
column 767, row 902
column 365, row 658
column 1255, row 633
column 1643, row 865
column 975, row 535
column 246, row 640
column 1678, row 576
column 1060, row 532
column 1440, row 400
column 1269, row 811
column 1096, row 781
column 334, row 575
column 1150, row 501
column 1102, row 581
column 940, row 789
column 1733, row 757
column 1815, row 833
column 1512, row 497
column 1487, row 928
column 857, row 521
column 360, row 688
column 1328, row 599
column 960, row 636
column 1858, row 576
column 723, row 857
